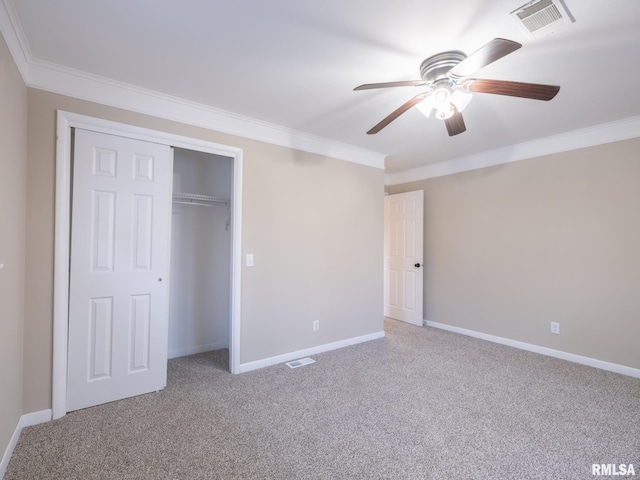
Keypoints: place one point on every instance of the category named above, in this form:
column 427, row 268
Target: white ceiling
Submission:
column 295, row 63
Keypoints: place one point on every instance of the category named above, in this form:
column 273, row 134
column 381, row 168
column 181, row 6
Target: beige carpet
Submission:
column 418, row 404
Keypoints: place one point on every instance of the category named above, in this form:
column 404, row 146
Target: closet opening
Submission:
column 201, row 253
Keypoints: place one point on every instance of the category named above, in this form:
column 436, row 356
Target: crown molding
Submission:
column 73, row 83
column 13, row 34
column 564, row 142
column 65, row 81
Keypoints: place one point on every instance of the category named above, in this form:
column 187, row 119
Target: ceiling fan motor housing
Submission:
column 435, row 68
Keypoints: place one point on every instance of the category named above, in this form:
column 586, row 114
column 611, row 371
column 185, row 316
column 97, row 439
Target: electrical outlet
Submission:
column 555, row 328
column 316, row 325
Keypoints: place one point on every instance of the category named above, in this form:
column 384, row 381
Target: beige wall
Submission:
column 13, row 161
column 315, row 228
column 313, row 223
column 511, row 248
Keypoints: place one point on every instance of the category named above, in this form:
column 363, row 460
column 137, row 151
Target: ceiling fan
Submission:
column 447, row 77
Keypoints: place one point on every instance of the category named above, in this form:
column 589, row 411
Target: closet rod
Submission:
column 195, row 199
column 201, row 203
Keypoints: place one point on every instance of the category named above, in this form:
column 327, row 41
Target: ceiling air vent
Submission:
column 541, row 17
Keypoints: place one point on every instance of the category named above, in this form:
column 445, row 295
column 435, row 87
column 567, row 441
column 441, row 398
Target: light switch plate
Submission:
column 249, row 260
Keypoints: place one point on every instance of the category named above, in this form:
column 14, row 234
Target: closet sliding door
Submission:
column 118, row 295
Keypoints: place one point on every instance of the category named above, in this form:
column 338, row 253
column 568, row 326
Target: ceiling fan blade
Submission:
column 455, row 124
column 397, row 112
column 492, row 51
column 402, row 83
column 535, row 91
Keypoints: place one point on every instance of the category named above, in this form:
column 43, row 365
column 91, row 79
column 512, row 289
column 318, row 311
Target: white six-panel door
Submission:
column 403, row 254
column 119, row 277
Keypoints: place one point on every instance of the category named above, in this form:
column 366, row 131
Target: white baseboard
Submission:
column 9, row 451
column 267, row 362
column 26, row 420
column 182, row 352
column 591, row 362
column 35, row 418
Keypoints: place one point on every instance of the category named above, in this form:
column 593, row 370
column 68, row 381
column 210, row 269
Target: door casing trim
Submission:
column 65, row 122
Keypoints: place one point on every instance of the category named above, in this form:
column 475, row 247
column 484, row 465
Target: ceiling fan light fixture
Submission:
column 444, row 113
column 442, row 97
column 442, row 101
column 426, row 106
column 460, row 99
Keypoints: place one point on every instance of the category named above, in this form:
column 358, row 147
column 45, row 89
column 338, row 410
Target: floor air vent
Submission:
column 300, row 363
column 541, row 17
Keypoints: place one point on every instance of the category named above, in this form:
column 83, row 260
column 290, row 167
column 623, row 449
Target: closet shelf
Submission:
column 195, row 199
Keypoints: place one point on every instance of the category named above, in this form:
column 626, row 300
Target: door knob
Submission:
column 417, row 265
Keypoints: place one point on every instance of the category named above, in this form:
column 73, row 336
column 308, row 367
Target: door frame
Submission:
column 62, row 238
